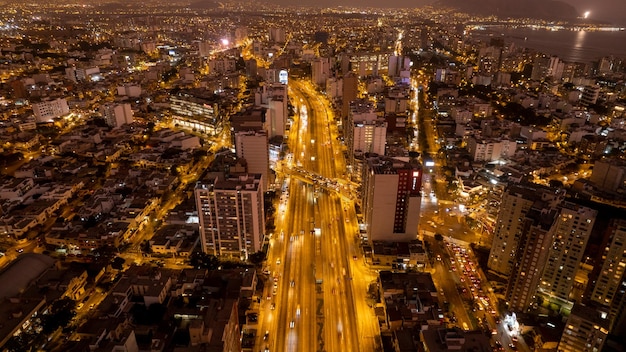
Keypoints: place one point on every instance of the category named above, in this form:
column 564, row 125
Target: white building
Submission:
column 391, row 198
column 490, row 149
column 572, row 229
column 129, row 90
column 320, row 70
column 231, row 215
column 365, row 132
column 45, row 111
column 609, row 287
column 370, row 136
column 117, row 115
column 516, row 201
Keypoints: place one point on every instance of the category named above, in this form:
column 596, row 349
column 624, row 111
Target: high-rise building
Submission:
column 609, row 174
column 364, row 131
column 531, row 257
column 277, row 35
column 590, row 95
column 556, row 68
column 610, row 285
column 241, row 33
column 571, row 231
column 253, row 147
column 320, row 70
column 516, row 202
column 391, row 198
column 350, row 92
column 399, row 66
column 117, row 115
column 585, row 331
column 45, row 111
column 541, row 65
column 231, row 215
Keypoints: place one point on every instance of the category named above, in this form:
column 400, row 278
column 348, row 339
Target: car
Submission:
column 292, row 324
column 513, row 346
column 267, row 335
column 273, row 306
column 292, row 283
column 354, row 257
column 278, row 261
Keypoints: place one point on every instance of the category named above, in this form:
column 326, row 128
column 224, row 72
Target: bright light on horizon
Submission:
column 586, row 15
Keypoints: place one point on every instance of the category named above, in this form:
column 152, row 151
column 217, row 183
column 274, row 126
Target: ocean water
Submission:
column 568, row 45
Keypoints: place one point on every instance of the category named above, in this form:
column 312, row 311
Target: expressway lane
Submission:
column 319, row 303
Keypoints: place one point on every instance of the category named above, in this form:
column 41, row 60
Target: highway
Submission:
column 315, row 299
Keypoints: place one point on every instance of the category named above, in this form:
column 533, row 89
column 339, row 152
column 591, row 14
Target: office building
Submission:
column 391, row 198
column 196, row 109
column 254, row 148
column 231, row 215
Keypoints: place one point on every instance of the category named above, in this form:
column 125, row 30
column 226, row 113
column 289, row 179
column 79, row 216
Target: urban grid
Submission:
column 240, row 176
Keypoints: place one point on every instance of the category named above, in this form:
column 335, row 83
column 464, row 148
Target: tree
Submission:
column 203, row 260
column 145, row 247
column 61, row 313
column 118, row 263
column 257, row 258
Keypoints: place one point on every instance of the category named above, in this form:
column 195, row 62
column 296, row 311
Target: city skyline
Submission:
column 243, row 178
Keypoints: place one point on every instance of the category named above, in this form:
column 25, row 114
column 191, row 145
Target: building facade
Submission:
column 231, row 215
column 254, row 148
column 391, row 198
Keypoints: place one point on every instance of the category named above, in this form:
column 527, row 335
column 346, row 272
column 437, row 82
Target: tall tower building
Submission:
column 277, row 35
column 231, row 215
column 254, row 148
column 531, row 257
column 572, row 230
column 398, row 66
column 350, row 92
column 609, row 290
column 516, row 202
column 391, row 198
column 320, row 71
column 364, row 131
